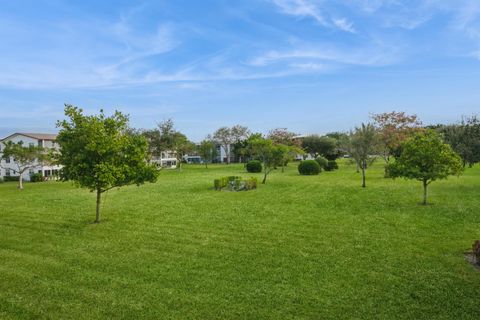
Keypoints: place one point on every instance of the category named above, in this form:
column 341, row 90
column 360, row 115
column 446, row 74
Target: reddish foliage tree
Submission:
column 395, row 128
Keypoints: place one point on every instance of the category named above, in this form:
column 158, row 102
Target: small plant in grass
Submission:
column 234, row 183
column 254, row 166
column 309, row 168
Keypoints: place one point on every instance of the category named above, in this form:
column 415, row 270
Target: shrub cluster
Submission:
column 309, row 168
column 331, row 165
column 234, row 183
column 322, row 161
column 36, row 177
column 254, row 166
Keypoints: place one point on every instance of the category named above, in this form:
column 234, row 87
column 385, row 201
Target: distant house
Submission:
column 167, row 159
column 8, row 167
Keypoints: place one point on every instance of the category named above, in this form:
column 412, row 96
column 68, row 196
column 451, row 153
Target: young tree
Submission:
column 394, row 128
column 100, row 153
column 207, row 150
column 363, row 144
column 272, row 156
column 25, row 157
column 426, row 158
column 181, row 146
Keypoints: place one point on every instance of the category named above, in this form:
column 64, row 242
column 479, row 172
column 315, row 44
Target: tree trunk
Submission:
column 425, row 194
column 265, row 177
column 20, row 181
column 206, row 165
column 364, row 185
column 99, row 198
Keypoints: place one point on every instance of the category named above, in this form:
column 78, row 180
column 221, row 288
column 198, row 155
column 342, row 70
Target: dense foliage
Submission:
column 309, row 168
column 322, row 161
column 426, row 158
column 100, row 153
column 324, row 146
column 254, row 166
column 331, row 165
column 464, row 139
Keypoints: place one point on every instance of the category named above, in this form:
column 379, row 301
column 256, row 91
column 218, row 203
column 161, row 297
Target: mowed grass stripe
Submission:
column 298, row 247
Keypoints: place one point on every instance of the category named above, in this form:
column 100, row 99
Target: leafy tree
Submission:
column 324, row 146
column 207, row 150
column 182, row 146
column 271, row 156
column 227, row 137
column 285, row 137
column 25, row 157
column 426, row 158
column 464, row 139
column 394, row 128
column 100, row 153
column 362, row 146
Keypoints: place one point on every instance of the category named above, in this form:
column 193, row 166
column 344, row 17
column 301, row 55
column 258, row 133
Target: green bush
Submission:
column 234, row 183
column 322, row 161
column 36, row 177
column 11, row 178
column 254, row 166
column 309, row 168
column 331, row 165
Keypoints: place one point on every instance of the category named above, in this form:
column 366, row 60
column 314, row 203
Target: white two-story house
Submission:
column 8, row 167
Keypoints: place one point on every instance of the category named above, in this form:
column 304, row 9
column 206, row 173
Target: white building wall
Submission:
column 12, row 167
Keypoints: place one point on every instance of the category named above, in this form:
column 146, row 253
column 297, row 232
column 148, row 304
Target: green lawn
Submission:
column 316, row 247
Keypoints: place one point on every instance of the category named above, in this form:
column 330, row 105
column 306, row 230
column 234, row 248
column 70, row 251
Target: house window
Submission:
column 40, row 143
column 7, row 160
column 7, row 172
column 30, row 171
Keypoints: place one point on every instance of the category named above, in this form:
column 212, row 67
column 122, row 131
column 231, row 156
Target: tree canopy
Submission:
column 99, row 152
column 426, row 158
column 321, row 145
column 394, row 128
column 464, row 139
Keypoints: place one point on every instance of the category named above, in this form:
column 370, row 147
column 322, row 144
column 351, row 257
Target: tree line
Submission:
column 101, row 152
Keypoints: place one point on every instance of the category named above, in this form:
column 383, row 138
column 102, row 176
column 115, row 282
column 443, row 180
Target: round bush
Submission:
column 322, row 161
column 254, row 166
column 309, row 168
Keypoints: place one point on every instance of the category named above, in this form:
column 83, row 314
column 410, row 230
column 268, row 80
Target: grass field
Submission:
column 316, row 247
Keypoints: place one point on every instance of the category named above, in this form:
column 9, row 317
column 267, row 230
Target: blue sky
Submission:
column 312, row 66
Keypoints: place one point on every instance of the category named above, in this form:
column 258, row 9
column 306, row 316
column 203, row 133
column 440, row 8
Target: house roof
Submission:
column 39, row 136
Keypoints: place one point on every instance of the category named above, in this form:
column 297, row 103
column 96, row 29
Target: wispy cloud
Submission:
column 308, row 8
column 361, row 56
